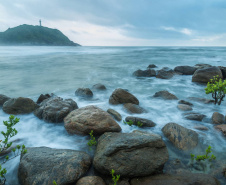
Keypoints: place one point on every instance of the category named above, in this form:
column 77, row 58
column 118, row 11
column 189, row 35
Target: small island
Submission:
column 29, row 35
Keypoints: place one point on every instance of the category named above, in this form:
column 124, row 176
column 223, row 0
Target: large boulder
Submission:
column 19, row 106
column 42, row 97
column 176, row 179
column 185, row 70
column 91, row 180
column 181, row 137
column 221, row 128
column 54, row 110
column 218, row 118
column 83, row 120
column 130, row 154
column 133, row 108
column 115, row 114
column 84, row 93
column 194, row 116
column 205, row 74
column 165, row 73
column 144, row 122
column 165, row 95
column 120, row 96
column 3, row 99
column 42, row 165
column 145, row 73
column 99, row 87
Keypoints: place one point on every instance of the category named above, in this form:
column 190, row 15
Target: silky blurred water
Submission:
column 31, row 71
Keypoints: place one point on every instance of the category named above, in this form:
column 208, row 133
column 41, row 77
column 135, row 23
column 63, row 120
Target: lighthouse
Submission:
column 40, row 22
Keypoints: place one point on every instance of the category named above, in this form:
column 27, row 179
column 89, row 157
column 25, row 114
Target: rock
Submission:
column 133, row 108
column 194, row 116
column 184, row 107
column 223, row 70
column 178, row 179
column 165, row 95
column 42, row 165
column 115, row 114
column 99, row 87
column 3, row 99
column 91, row 180
column 122, row 181
column 222, row 128
column 201, row 100
column 42, row 97
column 152, row 66
column 205, row 74
column 54, row 110
column 185, row 102
column 201, row 128
column 181, row 137
column 19, row 106
column 185, row 70
column 200, row 66
column 84, row 93
column 145, row 73
column 145, row 122
column 120, row 96
column 83, row 120
column 218, row 118
column 165, row 73
column 130, row 154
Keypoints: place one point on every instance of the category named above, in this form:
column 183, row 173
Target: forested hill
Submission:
column 28, row 35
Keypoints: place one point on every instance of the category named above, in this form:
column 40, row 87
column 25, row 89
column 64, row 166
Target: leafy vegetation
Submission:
column 92, row 141
column 217, row 87
column 130, row 123
column 115, row 178
column 5, row 145
column 204, row 157
column 54, row 182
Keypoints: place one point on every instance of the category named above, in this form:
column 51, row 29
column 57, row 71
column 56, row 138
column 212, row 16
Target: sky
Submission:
column 124, row 22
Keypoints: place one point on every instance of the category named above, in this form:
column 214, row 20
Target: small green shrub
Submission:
column 217, row 87
column 204, row 157
column 115, row 178
column 54, row 182
column 92, row 141
column 130, row 123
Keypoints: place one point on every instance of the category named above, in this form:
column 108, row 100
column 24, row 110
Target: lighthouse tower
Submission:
column 40, row 22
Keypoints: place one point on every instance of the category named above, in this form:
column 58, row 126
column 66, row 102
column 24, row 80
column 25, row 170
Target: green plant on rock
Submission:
column 217, row 87
column 92, row 141
column 5, row 145
column 130, row 123
column 115, row 178
column 54, row 182
column 204, row 157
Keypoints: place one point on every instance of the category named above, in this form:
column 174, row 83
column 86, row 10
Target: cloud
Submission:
column 185, row 31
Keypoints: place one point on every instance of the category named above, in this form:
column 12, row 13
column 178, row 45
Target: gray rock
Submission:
column 84, row 93
column 145, row 73
column 165, row 73
column 201, row 128
column 133, row 108
column 42, row 97
column 54, row 110
column 181, row 137
column 201, row 100
column 184, row 107
column 145, row 122
column 130, row 154
column 120, row 96
column 99, row 87
column 194, row 116
column 91, row 180
column 165, row 95
column 3, row 99
column 185, row 70
column 115, row 114
column 19, row 106
column 200, row 66
column 221, row 128
column 223, row 70
column 185, row 102
column 83, row 120
column 218, row 118
column 151, row 66
column 204, row 75
column 42, row 165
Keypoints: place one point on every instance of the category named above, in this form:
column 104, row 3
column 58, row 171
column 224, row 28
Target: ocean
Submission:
column 31, row 71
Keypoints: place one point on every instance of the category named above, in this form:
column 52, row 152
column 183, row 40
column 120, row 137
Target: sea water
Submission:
column 31, row 71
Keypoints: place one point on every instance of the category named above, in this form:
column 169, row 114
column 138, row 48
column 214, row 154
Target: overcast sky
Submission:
column 124, row 22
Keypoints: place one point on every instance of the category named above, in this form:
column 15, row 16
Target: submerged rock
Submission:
column 165, row 73
column 152, row 66
column 3, row 99
column 201, row 100
column 19, row 106
column 99, row 87
column 144, row 122
column 222, row 128
column 145, row 73
column 54, row 110
column 43, row 165
column 115, row 114
column 218, row 118
column 185, row 70
column 84, row 93
column 184, row 107
column 120, row 96
column 185, row 102
column 165, row 95
column 130, row 154
column 201, row 128
column 133, row 108
column 83, row 120
column 91, row 180
column 194, row 116
column 181, row 137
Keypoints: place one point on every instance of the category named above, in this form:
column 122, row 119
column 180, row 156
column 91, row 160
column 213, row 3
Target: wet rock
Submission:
column 145, row 73
column 133, row 108
column 165, row 73
column 201, row 100
column 200, row 66
column 205, row 74
column 185, row 70
column 185, row 102
column 120, row 96
column 122, row 181
column 43, row 165
column 84, row 93
column 3, row 99
column 151, row 66
column 91, row 180
column 130, row 154
column 223, row 70
column 178, row 179
column 54, row 110
column 181, row 137
column 165, row 95
column 115, row 114
column 42, row 97
column 221, row 128
column 83, row 120
column 19, row 106
column 99, row 87
column 201, row 128
column 184, row 107
column 144, row 122
column 194, row 116
column 218, row 118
